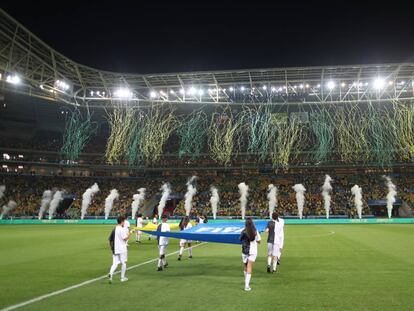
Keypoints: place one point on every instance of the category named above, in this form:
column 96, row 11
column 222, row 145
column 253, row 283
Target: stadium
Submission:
column 329, row 149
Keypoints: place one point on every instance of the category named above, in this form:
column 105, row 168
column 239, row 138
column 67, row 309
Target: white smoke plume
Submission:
column 272, row 197
column 166, row 190
column 392, row 193
column 46, row 198
column 57, row 198
column 109, row 202
column 87, row 198
column 214, row 200
column 300, row 198
column 357, row 192
column 191, row 191
column 2, row 190
column 326, row 189
column 137, row 199
column 244, row 192
column 7, row 208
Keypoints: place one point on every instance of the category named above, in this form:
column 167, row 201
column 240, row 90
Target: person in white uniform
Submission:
column 163, row 243
column 118, row 242
column 275, row 241
column 250, row 238
column 185, row 224
column 140, row 224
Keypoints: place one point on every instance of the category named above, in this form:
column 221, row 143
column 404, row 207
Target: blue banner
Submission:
column 224, row 232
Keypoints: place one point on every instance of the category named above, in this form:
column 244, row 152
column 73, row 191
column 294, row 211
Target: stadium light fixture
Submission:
column 301, row 86
column 153, row 94
column 231, row 89
column 191, row 90
column 318, row 86
column 123, row 93
column 330, row 85
column 379, row 83
column 390, row 82
column 200, row 92
column 13, row 79
column 343, row 84
column 306, row 85
column 172, row 92
column 264, row 87
column 182, row 91
column 91, row 93
column 273, row 89
column 242, row 88
column 62, row 85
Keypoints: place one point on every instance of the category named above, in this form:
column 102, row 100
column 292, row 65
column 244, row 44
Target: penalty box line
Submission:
column 64, row 290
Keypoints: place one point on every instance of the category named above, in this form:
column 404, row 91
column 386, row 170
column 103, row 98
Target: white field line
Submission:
column 64, row 290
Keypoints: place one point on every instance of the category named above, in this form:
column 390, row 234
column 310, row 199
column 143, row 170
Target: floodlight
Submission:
column 379, row 83
column 330, row 85
column 13, row 79
column 123, row 93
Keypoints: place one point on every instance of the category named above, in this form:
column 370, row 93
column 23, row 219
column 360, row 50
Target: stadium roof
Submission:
column 30, row 66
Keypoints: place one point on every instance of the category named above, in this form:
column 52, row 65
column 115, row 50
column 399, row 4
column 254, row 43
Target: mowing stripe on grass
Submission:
column 25, row 303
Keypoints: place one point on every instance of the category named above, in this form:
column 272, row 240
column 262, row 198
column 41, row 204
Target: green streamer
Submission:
column 77, row 134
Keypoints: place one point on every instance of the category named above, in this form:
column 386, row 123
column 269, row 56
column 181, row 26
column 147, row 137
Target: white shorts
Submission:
column 119, row 258
column 273, row 250
column 250, row 257
column 163, row 249
column 182, row 242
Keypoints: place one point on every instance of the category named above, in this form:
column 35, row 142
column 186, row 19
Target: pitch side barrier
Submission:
column 341, row 221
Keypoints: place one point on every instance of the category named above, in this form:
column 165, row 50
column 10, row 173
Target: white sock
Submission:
column 159, row 263
column 274, row 265
column 190, row 251
column 269, row 260
column 244, row 274
column 123, row 270
column 139, row 236
column 181, row 250
column 113, row 268
column 280, row 255
column 247, row 279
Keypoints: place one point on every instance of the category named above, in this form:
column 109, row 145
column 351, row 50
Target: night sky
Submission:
column 130, row 37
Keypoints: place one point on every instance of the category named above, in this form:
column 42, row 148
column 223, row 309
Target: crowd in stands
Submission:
column 27, row 192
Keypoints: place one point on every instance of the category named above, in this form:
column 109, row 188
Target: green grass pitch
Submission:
column 324, row 267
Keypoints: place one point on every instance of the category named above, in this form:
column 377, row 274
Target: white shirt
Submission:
column 163, row 239
column 200, row 220
column 120, row 245
column 154, row 220
column 253, row 244
column 140, row 222
column 127, row 224
column 189, row 225
column 279, row 232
